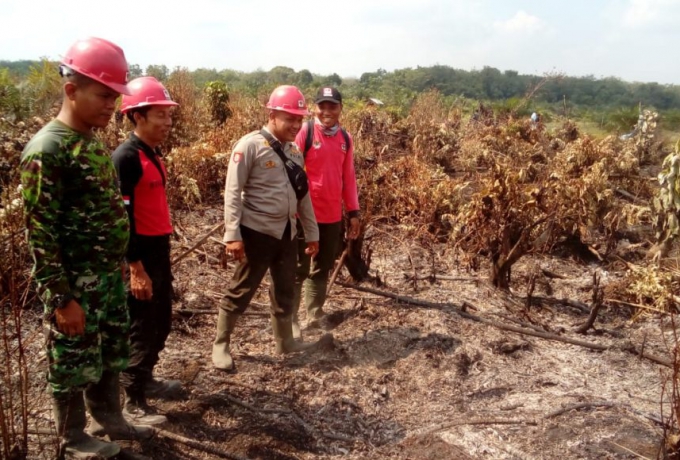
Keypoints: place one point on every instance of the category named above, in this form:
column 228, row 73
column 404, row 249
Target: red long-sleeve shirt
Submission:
column 329, row 164
column 142, row 177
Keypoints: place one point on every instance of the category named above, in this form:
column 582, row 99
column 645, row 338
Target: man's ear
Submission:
column 70, row 89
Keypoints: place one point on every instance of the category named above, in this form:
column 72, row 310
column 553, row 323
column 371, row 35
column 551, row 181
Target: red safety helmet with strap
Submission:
column 99, row 60
column 289, row 99
column 145, row 91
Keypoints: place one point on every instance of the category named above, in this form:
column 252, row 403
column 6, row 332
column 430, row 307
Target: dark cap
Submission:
column 328, row 94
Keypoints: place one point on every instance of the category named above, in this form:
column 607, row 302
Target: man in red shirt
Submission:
column 329, row 163
column 143, row 178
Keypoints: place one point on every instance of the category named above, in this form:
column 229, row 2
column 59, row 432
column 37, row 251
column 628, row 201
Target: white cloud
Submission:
column 642, row 13
column 520, row 23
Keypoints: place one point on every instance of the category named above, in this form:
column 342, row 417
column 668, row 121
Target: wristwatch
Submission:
column 61, row 300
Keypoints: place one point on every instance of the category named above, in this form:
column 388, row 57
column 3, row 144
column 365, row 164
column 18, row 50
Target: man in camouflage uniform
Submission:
column 78, row 232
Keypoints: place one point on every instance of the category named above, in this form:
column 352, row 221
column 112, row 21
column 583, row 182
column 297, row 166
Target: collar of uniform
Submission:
column 283, row 144
column 137, row 142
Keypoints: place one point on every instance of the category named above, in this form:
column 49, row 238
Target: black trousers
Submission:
column 264, row 252
column 150, row 320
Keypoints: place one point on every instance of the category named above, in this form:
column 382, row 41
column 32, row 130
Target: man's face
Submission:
column 92, row 102
column 285, row 125
column 328, row 113
column 156, row 124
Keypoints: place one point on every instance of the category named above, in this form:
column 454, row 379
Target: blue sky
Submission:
column 635, row 40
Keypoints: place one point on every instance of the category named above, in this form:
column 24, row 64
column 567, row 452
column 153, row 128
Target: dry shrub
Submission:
column 435, row 130
column 532, row 197
column 376, row 135
column 191, row 118
column 502, row 188
column 196, row 173
column 16, row 293
column 407, row 191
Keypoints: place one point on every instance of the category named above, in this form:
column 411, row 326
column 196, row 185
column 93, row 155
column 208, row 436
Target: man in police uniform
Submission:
column 260, row 208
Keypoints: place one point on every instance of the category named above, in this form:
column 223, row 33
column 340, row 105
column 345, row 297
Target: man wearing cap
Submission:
column 329, row 162
column 143, row 178
column 260, row 207
column 78, row 232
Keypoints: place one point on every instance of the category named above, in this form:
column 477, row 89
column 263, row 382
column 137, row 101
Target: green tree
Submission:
column 281, row 75
column 304, row 78
column 217, row 94
column 10, row 97
column 134, row 71
column 161, row 72
column 42, row 87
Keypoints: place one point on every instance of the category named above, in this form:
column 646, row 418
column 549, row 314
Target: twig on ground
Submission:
column 636, row 305
column 200, row 242
column 435, row 277
column 245, row 405
column 597, row 304
column 545, row 335
column 483, row 421
column 198, row 445
column 569, row 302
column 572, row 407
column 631, row 197
column 338, row 267
column 338, row 436
column 630, row 451
column 553, row 275
column 255, row 389
column 586, row 405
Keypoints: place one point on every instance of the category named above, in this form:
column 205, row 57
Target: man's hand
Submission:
column 354, row 228
column 70, row 319
column 236, row 249
column 312, row 249
column 140, row 283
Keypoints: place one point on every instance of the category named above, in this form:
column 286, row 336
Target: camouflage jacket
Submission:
column 76, row 221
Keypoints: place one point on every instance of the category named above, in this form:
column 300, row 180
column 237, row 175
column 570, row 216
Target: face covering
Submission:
column 328, row 131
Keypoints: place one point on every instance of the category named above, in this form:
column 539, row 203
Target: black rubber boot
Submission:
column 103, row 402
column 70, row 419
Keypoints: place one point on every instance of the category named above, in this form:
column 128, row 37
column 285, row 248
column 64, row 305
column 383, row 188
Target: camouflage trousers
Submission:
column 75, row 362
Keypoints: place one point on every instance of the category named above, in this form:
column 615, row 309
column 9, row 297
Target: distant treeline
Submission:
column 400, row 86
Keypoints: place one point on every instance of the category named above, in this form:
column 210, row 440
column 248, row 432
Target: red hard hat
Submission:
column 288, row 99
column 99, row 60
column 145, row 91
